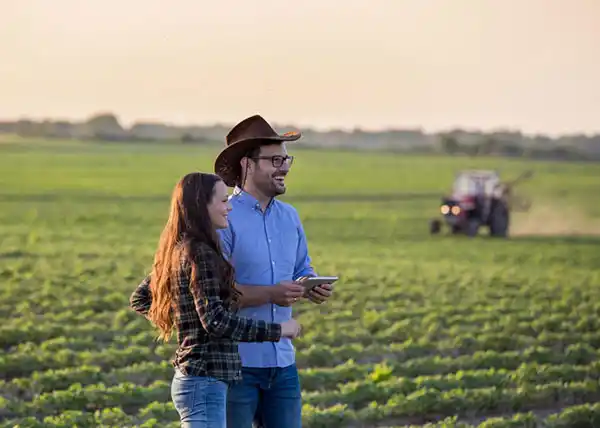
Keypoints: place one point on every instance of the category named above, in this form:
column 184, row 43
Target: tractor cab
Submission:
column 469, row 184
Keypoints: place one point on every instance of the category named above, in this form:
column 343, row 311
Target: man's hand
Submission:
column 320, row 293
column 286, row 293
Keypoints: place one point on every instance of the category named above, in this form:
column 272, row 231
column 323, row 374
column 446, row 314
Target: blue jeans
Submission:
column 270, row 396
column 200, row 401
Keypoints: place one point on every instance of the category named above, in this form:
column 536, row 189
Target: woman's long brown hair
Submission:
column 188, row 226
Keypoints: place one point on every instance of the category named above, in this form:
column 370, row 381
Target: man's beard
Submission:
column 277, row 184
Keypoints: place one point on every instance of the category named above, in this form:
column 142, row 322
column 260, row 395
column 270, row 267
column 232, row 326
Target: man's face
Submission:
column 269, row 170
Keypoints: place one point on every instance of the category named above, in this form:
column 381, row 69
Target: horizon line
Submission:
column 128, row 124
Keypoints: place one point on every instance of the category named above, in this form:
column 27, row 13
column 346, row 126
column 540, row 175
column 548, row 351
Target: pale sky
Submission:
column 436, row 64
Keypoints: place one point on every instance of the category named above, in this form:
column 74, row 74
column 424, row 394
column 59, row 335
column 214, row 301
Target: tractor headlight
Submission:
column 455, row 210
column 445, row 209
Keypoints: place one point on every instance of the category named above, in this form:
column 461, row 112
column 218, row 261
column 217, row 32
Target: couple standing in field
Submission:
column 227, row 270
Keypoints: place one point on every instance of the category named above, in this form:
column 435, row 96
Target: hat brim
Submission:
column 227, row 163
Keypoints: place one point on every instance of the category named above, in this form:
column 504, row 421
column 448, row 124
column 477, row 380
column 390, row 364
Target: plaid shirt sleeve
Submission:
column 141, row 298
column 215, row 316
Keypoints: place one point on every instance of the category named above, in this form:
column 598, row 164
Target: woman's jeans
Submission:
column 200, row 401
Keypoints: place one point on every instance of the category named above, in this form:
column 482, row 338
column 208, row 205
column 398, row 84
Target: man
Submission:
column 266, row 244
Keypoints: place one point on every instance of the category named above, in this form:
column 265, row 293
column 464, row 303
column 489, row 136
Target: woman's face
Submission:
column 219, row 206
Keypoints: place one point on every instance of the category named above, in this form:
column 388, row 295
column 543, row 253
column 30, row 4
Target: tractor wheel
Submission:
column 500, row 221
column 435, row 226
column 472, row 227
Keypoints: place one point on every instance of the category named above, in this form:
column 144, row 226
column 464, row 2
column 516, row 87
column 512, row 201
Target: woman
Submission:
column 191, row 289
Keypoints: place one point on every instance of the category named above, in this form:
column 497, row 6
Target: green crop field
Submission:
column 423, row 329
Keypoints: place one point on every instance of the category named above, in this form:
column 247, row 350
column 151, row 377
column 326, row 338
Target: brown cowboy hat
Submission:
column 250, row 133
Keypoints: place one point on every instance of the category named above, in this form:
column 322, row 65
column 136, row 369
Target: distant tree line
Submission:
column 105, row 127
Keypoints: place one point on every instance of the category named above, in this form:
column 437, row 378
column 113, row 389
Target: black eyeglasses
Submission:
column 277, row 160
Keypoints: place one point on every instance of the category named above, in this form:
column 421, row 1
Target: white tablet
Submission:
column 313, row 281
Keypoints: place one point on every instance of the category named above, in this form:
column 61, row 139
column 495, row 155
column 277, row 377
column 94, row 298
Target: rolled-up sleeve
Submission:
column 141, row 298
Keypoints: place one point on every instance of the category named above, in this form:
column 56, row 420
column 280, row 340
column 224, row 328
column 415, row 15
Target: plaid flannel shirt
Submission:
column 207, row 327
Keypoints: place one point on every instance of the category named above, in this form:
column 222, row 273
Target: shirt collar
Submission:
column 247, row 199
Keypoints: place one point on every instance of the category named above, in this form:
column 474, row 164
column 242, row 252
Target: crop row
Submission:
column 92, row 302
column 357, row 394
column 427, row 344
column 457, row 295
column 398, row 407
column 85, row 343
column 448, row 317
column 324, row 356
column 374, row 326
column 154, row 415
column 580, row 415
column 542, row 312
column 21, row 364
column 101, row 327
column 57, row 355
column 55, row 370
column 461, row 403
column 580, row 316
column 324, row 379
column 319, row 353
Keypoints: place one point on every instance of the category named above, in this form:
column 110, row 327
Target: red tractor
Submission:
column 478, row 199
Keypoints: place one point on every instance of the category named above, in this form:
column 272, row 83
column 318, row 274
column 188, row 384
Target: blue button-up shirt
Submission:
column 265, row 248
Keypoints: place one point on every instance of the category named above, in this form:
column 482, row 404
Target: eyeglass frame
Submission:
column 275, row 157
